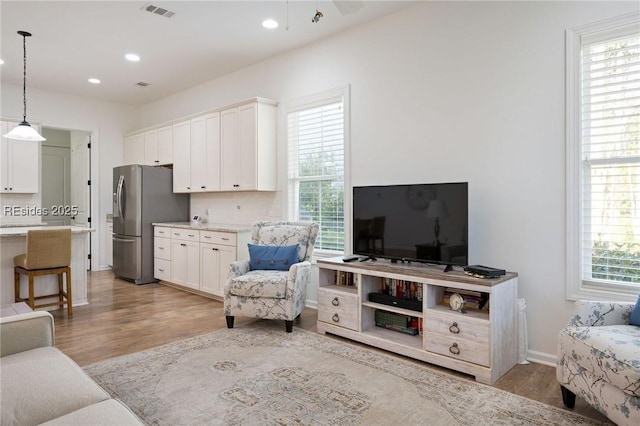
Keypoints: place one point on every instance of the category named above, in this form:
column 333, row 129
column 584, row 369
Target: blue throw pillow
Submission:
column 634, row 318
column 272, row 258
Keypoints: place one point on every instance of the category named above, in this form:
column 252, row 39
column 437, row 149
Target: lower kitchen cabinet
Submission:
column 198, row 259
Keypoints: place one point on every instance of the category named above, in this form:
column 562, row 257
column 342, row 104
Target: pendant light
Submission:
column 24, row 131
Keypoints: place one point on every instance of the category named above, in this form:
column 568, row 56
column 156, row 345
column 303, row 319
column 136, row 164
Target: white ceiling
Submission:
column 75, row 40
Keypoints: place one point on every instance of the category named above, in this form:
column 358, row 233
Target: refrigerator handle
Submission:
column 123, row 240
column 119, row 197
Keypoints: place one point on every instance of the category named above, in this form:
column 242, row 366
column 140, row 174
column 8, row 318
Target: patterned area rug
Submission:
column 260, row 375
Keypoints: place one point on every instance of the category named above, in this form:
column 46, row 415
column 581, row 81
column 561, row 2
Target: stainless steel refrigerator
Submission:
column 142, row 195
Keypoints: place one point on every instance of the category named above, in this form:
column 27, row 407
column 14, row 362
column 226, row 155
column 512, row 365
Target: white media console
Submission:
column 480, row 342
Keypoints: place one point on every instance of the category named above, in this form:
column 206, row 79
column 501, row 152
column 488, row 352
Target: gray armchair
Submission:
column 272, row 294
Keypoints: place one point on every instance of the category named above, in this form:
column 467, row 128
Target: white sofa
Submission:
column 599, row 360
column 41, row 385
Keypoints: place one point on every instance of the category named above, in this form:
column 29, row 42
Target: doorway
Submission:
column 66, row 179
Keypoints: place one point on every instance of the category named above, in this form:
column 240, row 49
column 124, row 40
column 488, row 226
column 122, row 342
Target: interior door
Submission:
column 55, row 185
column 80, row 196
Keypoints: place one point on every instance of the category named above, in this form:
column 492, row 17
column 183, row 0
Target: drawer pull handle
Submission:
column 454, row 349
column 182, row 245
column 191, row 235
column 160, row 269
column 225, row 239
column 335, row 318
column 454, row 328
column 335, row 301
column 207, row 237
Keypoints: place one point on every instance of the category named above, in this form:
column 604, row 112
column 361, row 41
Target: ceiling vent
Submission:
column 158, row 10
column 142, row 84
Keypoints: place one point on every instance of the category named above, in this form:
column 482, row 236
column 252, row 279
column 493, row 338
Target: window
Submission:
column 316, row 129
column 603, row 154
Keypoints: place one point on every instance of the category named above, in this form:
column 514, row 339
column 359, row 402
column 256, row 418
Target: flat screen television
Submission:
column 419, row 222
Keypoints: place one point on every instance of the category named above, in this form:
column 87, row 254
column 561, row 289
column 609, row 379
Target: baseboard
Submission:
column 542, row 358
column 311, row 304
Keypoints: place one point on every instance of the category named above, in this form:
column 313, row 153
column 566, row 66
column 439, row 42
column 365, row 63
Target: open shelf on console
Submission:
column 390, row 308
column 414, row 342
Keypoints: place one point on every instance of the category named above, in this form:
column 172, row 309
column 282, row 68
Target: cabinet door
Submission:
column 227, row 257
column 212, row 169
column 198, row 154
column 228, row 151
column 165, row 145
column 109, row 243
column 23, row 166
column 4, row 158
column 209, row 267
column 134, row 149
column 185, row 263
column 182, row 157
column 247, row 147
column 151, row 148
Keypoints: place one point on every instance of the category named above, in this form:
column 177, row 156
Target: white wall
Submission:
column 107, row 121
column 443, row 92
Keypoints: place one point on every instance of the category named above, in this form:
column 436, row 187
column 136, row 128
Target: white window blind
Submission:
column 316, row 169
column 610, row 155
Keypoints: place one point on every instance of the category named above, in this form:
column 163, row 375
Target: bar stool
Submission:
column 48, row 252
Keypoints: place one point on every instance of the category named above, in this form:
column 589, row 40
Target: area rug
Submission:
column 259, row 375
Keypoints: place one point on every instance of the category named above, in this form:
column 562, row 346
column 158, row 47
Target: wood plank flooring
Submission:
column 123, row 318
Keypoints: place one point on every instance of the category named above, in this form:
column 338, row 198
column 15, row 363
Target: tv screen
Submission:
column 420, row 222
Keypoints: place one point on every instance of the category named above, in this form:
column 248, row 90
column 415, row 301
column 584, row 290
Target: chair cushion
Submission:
column 108, row 413
column 260, row 283
column 42, row 384
column 274, row 258
column 20, row 260
column 609, row 352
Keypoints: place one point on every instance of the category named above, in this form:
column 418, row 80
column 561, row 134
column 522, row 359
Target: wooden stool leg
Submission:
column 60, row 289
column 16, row 285
column 32, row 301
column 69, row 301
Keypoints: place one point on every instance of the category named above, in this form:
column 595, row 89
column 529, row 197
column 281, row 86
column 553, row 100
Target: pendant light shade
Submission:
column 24, row 131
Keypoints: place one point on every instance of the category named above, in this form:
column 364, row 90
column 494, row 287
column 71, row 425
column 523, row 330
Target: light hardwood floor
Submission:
column 123, row 318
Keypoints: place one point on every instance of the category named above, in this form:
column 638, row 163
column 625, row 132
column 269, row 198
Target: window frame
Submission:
column 307, row 102
column 576, row 288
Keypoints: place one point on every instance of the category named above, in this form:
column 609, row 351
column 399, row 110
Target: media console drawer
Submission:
column 457, row 325
column 455, row 347
column 338, row 308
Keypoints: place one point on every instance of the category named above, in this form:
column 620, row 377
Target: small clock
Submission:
column 456, row 301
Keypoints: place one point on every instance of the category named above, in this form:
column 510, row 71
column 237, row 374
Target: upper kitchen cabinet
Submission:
column 134, row 149
column 182, row 156
column 19, row 164
column 248, row 147
column 158, row 146
column 205, row 153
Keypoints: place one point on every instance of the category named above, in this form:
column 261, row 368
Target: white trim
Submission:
column 575, row 288
column 542, row 358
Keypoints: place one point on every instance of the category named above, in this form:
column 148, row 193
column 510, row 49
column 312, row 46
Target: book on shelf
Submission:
column 402, row 289
column 346, row 279
column 397, row 322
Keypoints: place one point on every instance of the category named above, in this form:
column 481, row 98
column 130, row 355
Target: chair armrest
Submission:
column 589, row 313
column 299, row 274
column 238, row 268
column 22, row 332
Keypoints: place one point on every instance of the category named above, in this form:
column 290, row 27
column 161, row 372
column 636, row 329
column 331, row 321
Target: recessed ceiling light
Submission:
column 132, row 57
column 270, row 24
column 94, row 81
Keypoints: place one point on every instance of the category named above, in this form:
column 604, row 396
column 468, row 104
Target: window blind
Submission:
column 316, row 170
column 610, row 93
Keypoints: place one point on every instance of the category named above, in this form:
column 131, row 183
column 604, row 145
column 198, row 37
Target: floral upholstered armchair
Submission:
column 272, row 284
column 599, row 360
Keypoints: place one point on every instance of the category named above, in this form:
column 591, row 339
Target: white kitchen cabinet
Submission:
column 158, row 146
column 214, row 267
column 185, row 258
column 205, row 153
column 182, row 156
column 248, row 147
column 19, row 164
column 134, row 149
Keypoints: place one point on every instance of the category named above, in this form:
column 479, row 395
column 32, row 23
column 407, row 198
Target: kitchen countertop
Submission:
column 221, row 227
column 21, row 231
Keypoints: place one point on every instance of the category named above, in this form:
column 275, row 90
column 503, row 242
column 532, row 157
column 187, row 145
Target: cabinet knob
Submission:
column 335, row 318
column 188, row 187
column 183, row 245
column 335, row 301
column 203, row 187
column 454, row 349
column 156, row 161
column 160, row 248
column 160, row 269
column 453, row 328
column 214, row 249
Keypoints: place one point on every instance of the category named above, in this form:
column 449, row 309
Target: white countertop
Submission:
column 221, row 227
column 17, row 231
